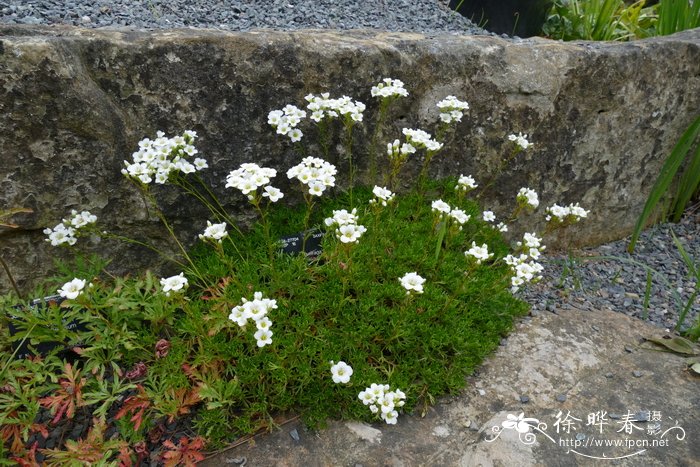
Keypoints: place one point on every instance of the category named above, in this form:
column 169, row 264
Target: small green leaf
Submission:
column 695, row 367
column 676, row 344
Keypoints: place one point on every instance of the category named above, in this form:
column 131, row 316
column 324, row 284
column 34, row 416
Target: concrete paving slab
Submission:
column 574, row 388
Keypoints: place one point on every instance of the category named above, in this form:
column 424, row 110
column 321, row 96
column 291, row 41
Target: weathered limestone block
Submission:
column 74, row 103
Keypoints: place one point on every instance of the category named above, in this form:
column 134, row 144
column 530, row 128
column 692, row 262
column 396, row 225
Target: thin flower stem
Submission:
column 309, row 207
column 9, row 276
column 168, row 227
column 19, row 346
column 266, row 231
column 383, row 106
column 123, row 238
column 499, row 170
column 220, row 208
column 348, row 150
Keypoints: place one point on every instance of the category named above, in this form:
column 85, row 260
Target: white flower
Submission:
column 520, row 140
column 488, row 216
column 238, row 315
column 273, row 193
column 200, row 164
column 263, row 323
column 367, row 397
column 411, row 281
column 295, row 135
column 466, row 183
column 502, row 227
column 173, row 283
column 316, row 188
column 421, row 139
column 390, row 418
column 315, row 173
column 72, row 289
column 561, row 214
column 531, row 240
column 389, row 88
column 577, row 212
column 341, row 372
column 441, row 207
column 249, row 177
column 350, row 233
column 480, row 253
column 214, row 232
column 460, row 216
column 383, row 195
column 342, row 217
column 382, row 401
column 60, row 235
column 263, row 337
column 451, row 109
column 528, row 197
column 162, row 156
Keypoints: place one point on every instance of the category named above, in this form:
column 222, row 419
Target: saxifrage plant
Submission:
column 407, row 295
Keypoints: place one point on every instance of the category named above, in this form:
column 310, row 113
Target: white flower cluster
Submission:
column 322, row 106
column 466, row 183
column 398, row 149
column 382, row 195
column 479, row 253
column 489, row 216
column 65, row 232
column 421, row 139
column 525, row 267
column 315, row 173
column 566, row 214
column 452, row 109
column 214, row 232
column 72, row 289
column 443, row 209
column 389, row 88
column 412, row 282
column 174, row 284
column 383, row 401
column 256, row 310
column 156, row 159
column 347, row 230
column 528, row 197
column 520, row 140
column 285, row 121
column 249, row 177
column 341, row 372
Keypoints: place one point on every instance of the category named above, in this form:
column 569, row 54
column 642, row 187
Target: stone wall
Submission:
column 74, row 103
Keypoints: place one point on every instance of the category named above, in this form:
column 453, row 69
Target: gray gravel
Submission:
column 584, row 281
column 428, row 16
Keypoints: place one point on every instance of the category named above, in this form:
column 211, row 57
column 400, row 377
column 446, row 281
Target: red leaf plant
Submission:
column 67, row 397
column 135, row 405
column 29, row 457
column 187, row 452
column 91, row 450
column 13, row 431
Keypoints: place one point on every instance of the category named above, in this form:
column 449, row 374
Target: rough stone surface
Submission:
column 75, row 102
column 550, row 355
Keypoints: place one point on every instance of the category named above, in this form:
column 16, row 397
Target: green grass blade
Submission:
column 690, row 182
column 668, row 171
column 647, row 296
column 686, row 257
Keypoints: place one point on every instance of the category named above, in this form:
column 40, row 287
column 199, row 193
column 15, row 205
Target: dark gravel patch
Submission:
column 608, row 277
column 428, row 16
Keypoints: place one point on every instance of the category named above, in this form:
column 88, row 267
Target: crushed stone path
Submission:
column 590, row 372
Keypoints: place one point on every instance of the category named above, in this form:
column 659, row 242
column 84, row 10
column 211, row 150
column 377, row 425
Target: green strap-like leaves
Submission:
column 668, row 172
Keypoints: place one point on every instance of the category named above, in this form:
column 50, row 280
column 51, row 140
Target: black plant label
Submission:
column 42, row 348
column 292, row 244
